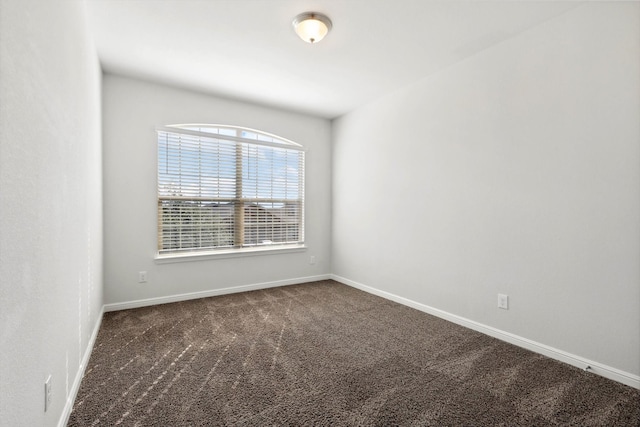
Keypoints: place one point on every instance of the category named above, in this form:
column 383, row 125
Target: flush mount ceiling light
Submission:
column 312, row 26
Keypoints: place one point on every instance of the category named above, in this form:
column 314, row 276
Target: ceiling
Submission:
column 247, row 49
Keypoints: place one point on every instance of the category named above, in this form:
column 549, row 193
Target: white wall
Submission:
column 50, row 206
column 132, row 111
column 515, row 171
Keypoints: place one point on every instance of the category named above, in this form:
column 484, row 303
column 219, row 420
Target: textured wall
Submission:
column 133, row 109
column 516, row 171
column 50, row 205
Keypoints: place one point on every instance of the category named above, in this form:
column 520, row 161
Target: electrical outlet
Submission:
column 312, row 259
column 142, row 277
column 47, row 393
column 503, row 301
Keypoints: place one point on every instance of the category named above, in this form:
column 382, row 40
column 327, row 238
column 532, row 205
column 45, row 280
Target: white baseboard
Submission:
column 71, row 398
column 571, row 359
column 211, row 293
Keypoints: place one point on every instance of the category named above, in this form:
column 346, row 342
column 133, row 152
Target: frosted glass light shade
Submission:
column 312, row 26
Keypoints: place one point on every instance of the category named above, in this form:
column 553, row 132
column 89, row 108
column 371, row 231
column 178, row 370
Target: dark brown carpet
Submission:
column 327, row 354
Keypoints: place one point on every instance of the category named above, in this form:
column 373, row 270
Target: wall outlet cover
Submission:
column 503, row 301
column 47, row 393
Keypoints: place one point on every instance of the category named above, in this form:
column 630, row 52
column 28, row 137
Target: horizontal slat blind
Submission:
column 221, row 190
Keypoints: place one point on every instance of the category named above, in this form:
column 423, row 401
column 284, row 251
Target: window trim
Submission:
column 168, row 258
column 286, row 142
column 196, row 254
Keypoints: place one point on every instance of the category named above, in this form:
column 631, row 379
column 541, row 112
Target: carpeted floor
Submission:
column 327, row 354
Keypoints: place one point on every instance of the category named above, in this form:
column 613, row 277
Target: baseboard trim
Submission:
column 211, row 293
column 75, row 387
column 554, row 353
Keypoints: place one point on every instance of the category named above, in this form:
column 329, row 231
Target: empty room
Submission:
column 319, row 212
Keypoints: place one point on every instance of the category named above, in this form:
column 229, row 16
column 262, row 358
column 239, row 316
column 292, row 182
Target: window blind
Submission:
column 226, row 187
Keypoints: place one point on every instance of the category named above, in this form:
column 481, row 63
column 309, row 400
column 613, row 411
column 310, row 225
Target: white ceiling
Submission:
column 247, row 49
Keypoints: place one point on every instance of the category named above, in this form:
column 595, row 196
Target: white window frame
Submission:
column 278, row 210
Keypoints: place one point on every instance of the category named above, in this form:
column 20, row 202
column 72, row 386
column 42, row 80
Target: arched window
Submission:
column 228, row 188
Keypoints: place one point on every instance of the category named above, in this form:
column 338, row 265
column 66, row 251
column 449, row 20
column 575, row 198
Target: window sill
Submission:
column 230, row 253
